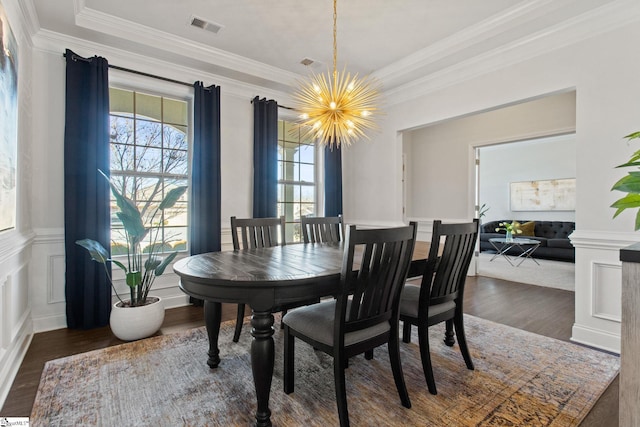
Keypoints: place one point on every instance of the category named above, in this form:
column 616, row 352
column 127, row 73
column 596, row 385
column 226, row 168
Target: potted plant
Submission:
column 629, row 184
column 510, row 228
column 140, row 315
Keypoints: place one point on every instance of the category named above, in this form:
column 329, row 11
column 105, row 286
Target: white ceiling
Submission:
column 263, row 41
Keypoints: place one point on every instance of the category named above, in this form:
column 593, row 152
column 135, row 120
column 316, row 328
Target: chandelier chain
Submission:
column 335, row 40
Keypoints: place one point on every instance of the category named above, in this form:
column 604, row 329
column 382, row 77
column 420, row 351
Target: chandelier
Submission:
column 337, row 108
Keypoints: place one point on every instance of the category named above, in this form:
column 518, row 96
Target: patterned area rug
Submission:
column 520, row 379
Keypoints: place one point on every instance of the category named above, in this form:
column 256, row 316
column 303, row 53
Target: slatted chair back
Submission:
column 371, row 296
column 257, row 232
column 445, row 275
column 328, row 229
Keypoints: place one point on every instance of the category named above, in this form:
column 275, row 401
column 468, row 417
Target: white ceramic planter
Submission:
column 134, row 323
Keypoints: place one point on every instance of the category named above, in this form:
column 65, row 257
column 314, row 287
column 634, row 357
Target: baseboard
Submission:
column 14, row 357
column 588, row 336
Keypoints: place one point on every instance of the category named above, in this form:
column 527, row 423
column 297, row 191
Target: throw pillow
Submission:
column 528, row 228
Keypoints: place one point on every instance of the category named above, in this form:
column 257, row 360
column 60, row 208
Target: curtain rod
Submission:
column 128, row 70
column 166, row 79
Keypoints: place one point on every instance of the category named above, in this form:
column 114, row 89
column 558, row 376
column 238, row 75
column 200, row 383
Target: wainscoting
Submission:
column 16, row 328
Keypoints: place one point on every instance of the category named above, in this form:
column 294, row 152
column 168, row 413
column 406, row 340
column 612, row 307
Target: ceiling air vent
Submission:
column 206, row 25
column 307, row 61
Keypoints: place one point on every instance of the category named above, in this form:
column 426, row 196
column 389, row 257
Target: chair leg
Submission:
column 239, row 320
column 406, row 332
column 448, row 333
column 341, row 389
column 462, row 340
column 282, row 324
column 368, row 354
column 289, row 355
column 425, row 356
column 396, row 368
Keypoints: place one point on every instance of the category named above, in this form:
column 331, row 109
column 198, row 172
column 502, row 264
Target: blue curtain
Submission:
column 265, row 158
column 86, row 192
column 205, row 172
column 332, row 181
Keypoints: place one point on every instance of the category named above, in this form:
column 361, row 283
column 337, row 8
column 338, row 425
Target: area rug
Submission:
column 552, row 274
column 521, row 379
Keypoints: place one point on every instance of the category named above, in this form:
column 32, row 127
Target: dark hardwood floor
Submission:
column 536, row 309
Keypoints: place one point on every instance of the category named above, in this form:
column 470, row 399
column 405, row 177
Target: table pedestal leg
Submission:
column 262, row 359
column 212, row 316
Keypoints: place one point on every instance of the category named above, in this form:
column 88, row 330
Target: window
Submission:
column 149, row 156
column 297, row 189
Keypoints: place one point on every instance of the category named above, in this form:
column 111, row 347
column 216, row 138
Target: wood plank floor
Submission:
column 536, row 309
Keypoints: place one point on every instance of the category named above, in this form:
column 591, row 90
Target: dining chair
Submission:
column 327, row 229
column 255, row 233
column 364, row 314
column 440, row 294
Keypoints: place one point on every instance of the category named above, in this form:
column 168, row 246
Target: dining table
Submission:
column 267, row 280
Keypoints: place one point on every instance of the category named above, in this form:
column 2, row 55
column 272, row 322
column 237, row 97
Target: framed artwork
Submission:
column 544, row 195
column 8, row 122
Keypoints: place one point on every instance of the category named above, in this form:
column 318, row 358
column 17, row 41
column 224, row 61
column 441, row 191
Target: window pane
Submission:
column 307, row 153
column 121, row 158
column 121, row 130
column 307, row 209
column 306, row 172
column 291, row 193
column 148, row 107
column 290, row 171
column 174, row 111
column 290, row 150
column 149, row 159
column 148, row 133
column 175, row 137
column 291, row 132
column 307, row 194
column 120, row 101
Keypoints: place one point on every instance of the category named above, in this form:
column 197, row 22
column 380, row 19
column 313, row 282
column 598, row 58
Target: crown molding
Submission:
column 510, row 18
column 94, row 20
column 55, row 43
column 582, row 27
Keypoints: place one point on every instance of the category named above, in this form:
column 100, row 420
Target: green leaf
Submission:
column 152, row 263
column 627, row 202
column 134, row 226
column 119, row 264
column 160, row 269
column 633, row 135
column 96, row 250
column 631, row 162
column 134, row 278
column 637, row 221
column 172, row 197
column 629, row 184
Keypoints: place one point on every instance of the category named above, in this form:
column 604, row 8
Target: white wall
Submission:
column 539, row 159
column 607, row 106
column 15, row 245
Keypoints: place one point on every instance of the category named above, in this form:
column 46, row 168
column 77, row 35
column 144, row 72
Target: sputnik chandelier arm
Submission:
column 337, row 108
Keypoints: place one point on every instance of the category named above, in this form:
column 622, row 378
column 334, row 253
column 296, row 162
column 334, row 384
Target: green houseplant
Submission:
column 141, row 268
column 140, row 315
column 629, row 184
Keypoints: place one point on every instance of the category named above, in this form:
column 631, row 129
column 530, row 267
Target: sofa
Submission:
column 553, row 237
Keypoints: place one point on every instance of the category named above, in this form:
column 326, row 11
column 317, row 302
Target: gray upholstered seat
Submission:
column 316, row 322
column 410, row 302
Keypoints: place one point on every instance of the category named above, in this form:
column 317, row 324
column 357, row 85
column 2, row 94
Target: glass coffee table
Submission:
column 526, row 246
